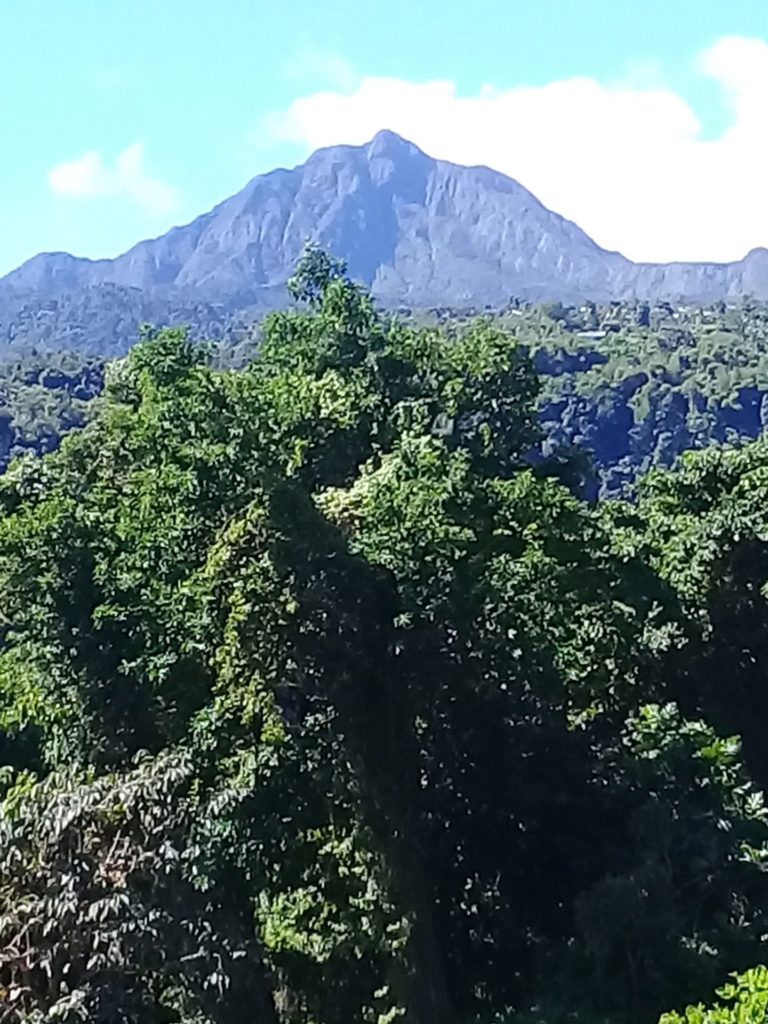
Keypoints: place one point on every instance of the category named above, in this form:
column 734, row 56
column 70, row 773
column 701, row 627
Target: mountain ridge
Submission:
column 416, row 230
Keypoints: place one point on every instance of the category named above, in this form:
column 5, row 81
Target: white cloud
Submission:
column 625, row 160
column 89, row 177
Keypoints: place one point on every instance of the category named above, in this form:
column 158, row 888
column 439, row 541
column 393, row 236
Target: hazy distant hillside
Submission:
column 103, row 319
column 420, row 232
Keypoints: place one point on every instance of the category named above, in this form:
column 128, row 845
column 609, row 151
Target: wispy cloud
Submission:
column 321, row 68
column 626, row 160
column 90, row 177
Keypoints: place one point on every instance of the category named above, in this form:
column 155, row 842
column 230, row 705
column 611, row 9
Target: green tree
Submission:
column 741, row 1000
column 379, row 717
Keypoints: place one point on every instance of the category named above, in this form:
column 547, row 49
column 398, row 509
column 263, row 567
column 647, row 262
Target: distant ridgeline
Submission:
column 633, row 385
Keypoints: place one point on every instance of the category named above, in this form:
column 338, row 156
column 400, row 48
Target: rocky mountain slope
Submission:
column 418, row 231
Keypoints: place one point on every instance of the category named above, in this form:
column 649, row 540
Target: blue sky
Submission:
column 122, row 118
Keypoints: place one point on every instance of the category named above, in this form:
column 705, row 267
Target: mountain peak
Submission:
column 389, row 144
column 417, row 230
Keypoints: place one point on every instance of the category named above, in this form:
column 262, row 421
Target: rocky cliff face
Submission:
column 418, row 231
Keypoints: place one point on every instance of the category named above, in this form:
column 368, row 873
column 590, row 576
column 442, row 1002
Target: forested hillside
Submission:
column 322, row 702
column 630, row 384
column 635, row 386
column 102, row 321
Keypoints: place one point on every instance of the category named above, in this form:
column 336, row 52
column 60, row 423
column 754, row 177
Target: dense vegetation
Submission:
column 42, row 397
column 101, row 320
column 631, row 385
column 44, row 394
column 636, row 386
column 323, row 701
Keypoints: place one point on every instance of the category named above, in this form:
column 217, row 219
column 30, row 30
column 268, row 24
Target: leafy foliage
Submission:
column 631, row 386
column 743, row 999
column 324, row 700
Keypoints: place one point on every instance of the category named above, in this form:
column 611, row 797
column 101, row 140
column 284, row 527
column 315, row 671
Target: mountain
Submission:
column 418, row 231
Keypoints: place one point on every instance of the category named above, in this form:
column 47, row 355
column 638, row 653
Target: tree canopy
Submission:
column 323, row 699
